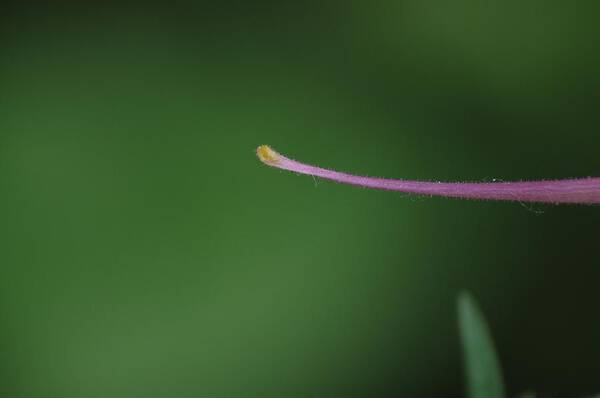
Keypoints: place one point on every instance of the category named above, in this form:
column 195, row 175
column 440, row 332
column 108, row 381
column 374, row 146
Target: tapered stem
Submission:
column 580, row 190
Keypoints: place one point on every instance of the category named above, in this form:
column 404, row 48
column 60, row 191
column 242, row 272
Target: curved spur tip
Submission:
column 577, row 190
column 267, row 155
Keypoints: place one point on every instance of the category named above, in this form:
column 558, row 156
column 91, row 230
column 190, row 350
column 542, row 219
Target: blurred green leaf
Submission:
column 482, row 369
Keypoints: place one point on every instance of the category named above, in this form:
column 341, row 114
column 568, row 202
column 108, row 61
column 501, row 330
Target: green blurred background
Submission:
column 145, row 252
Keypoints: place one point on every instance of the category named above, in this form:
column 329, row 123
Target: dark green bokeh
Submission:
column 146, row 252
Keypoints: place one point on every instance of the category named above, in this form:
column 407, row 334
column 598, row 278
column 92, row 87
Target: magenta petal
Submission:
column 580, row 190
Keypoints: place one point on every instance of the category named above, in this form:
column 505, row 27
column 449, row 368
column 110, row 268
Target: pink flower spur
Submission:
column 577, row 190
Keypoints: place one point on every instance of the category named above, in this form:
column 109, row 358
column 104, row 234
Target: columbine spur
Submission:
column 577, row 190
